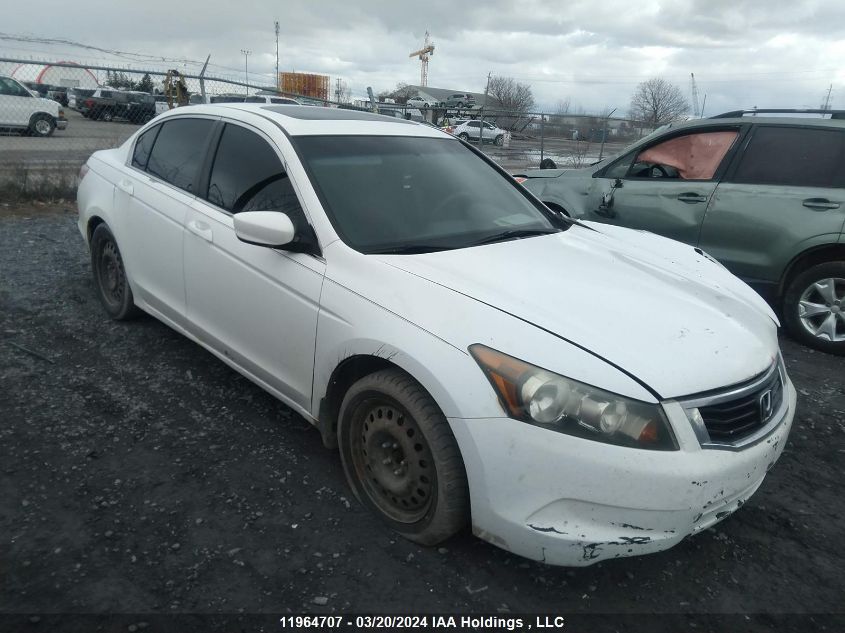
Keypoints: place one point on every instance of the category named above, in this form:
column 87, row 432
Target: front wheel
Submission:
column 814, row 307
column 401, row 459
column 42, row 125
column 499, row 140
column 107, row 115
column 463, row 136
column 110, row 276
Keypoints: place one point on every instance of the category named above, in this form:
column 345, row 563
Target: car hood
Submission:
column 659, row 310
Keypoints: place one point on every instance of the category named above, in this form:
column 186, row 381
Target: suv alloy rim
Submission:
column 822, row 309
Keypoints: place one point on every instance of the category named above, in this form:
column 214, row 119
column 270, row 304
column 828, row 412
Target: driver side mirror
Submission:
column 264, row 228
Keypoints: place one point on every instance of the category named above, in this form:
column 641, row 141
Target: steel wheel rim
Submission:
column 392, row 460
column 111, row 276
column 42, row 126
column 821, row 309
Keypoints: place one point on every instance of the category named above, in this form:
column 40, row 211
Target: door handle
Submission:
column 820, row 204
column 691, row 198
column 201, row 229
column 126, row 186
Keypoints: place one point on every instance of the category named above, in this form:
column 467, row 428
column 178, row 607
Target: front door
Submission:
column 665, row 187
column 255, row 305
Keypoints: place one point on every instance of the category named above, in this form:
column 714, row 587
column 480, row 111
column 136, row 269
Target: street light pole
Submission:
column 246, row 54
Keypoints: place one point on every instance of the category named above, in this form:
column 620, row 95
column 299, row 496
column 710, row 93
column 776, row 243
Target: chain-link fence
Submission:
column 84, row 108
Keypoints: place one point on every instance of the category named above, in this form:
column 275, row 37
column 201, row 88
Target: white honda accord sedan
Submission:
column 572, row 391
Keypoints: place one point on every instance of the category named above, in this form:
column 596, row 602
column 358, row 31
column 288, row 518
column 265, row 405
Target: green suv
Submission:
column 763, row 194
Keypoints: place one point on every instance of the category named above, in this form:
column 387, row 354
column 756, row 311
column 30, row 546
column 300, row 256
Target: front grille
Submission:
column 732, row 420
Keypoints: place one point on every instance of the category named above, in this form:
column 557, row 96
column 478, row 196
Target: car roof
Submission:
column 300, row 120
column 758, row 120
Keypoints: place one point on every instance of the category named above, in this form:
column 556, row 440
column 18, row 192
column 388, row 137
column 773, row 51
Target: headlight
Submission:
column 561, row 404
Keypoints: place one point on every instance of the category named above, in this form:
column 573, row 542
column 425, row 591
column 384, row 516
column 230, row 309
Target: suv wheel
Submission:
column 107, row 115
column 42, row 125
column 814, row 307
column 401, row 459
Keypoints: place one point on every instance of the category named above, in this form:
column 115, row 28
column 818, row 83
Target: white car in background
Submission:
column 469, row 131
column 22, row 109
column 574, row 391
column 419, row 102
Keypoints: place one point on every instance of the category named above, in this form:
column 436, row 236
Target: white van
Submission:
column 20, row 108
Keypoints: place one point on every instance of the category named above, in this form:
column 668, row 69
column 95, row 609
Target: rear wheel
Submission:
column 499, row 140
column 463, row 136
column 110, row 276
column 107, row 115
column 401, row 459
column 814, row 307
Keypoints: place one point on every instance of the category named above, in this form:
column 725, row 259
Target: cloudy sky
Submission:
column 743, row 52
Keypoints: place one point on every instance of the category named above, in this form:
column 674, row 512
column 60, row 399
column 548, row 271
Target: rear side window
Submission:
column 247, row 175
column 178, row 151
column 801, row 157
column 143, row 146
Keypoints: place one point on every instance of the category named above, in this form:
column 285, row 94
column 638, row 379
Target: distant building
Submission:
column 315, row 86
column 66, row 76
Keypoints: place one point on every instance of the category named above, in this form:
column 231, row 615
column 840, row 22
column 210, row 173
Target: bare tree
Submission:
column 513, row 96
column 563, row 106
column 657, row 101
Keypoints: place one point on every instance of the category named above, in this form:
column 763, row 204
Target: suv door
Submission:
column 785, row 194
column 154, row 193
column 256, row 306
column 665, row 186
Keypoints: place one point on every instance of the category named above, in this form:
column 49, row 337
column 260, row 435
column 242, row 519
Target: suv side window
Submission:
column 247, row 175
column 801, row 157
column 143, row 146
column 178, row 151
column 694, row 156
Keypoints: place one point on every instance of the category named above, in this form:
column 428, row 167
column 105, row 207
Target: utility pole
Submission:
column 246, row 54
column 277, row 55
column 826, row 104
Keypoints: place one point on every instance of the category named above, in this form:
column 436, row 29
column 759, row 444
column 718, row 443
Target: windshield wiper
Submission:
column 513, row 234
column 409, row 249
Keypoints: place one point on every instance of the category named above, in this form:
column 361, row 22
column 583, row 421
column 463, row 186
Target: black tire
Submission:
column 401, row 459
column 463, row 136
column 799, row 323
column 107, row 115
column 499, row 140
column 110, row 276
column 548, row 163
column 460, row 104
column 42, row 125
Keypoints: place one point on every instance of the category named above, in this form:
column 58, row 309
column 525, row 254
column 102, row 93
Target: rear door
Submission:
column 153, row 195
column 665, row 187
column 257, row 306
column 784, row 194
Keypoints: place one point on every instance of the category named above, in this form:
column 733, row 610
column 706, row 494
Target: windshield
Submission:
column 410, row 194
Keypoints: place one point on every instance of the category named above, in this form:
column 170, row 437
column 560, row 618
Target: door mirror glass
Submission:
column 264, row 228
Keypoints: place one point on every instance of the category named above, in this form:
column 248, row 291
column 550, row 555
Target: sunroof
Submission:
column 311, row 113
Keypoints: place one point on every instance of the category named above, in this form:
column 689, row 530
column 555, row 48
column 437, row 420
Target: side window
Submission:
column 143, row 146
column 12, row 88
column 801, row 157
column 620, row 168
column 473, row 124
column 254, row 100
column 247, row 175
column 178, row 151
column 694, row 156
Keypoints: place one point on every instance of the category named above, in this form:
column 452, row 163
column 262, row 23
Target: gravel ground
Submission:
column 138, row 474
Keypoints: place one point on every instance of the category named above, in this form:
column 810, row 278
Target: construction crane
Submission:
column 423, row 54
column 696, row 111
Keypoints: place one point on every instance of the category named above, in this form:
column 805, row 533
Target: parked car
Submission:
column 59, row 95
column 108, row 104
column 406, row 296
column 764, row 195
column 76, row 96
column 469, row 131
column 418, row 102
column 20, row 109
column 161, row 103
column 460, row 100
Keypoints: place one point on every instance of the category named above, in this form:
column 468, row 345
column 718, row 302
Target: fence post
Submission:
column 542, row 136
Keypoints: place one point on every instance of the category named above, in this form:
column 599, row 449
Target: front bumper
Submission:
column 568, row 501
column 61, row 124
